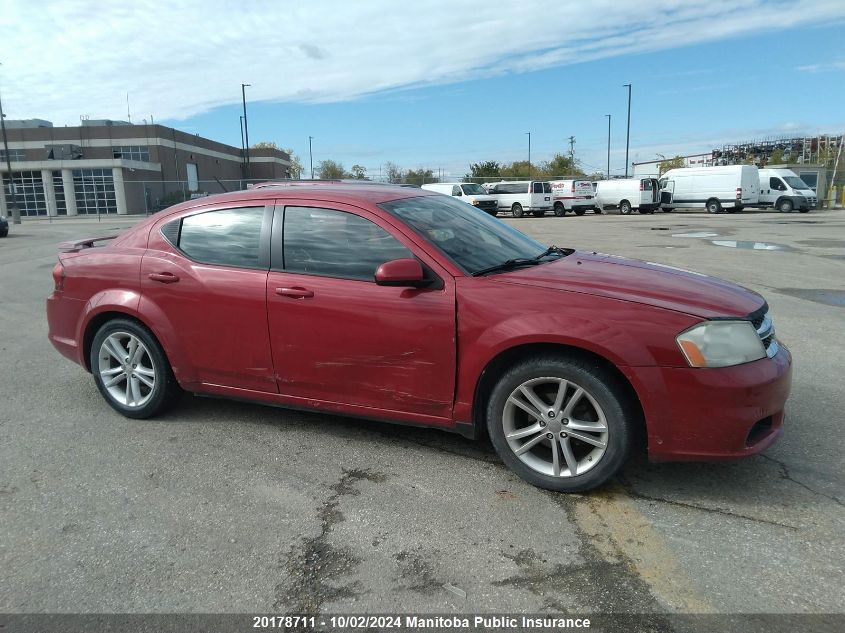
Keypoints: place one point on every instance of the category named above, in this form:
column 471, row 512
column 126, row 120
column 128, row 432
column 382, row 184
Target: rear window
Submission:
column 547, row 188
column 538, row 187
column 226, row 237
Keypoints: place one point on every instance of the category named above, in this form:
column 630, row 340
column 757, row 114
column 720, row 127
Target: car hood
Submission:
column 640, row 282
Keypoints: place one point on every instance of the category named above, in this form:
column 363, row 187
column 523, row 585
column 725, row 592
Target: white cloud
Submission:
column 833, row 66
column 178, row 59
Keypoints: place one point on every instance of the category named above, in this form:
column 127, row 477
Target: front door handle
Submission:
column 295, row 293
column 165, row 278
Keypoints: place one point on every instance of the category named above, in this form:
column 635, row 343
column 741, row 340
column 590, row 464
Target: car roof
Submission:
column 337, row 191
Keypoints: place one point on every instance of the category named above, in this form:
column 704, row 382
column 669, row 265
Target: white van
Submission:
column 573, row 195
column 729, row 188
column 469, row 192
column 522, row 196
column 629, row 194
column 783, row 190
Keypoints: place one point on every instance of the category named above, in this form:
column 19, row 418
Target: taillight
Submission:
column 573, row 187
column 642, row 186
column 59, row 277
column 739, row 193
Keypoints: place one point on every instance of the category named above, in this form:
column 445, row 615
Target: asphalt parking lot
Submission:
column 230, row 507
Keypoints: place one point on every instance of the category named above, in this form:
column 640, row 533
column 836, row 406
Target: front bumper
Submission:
column 714, row 414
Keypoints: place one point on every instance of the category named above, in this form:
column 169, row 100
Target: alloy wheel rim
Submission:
column 555, row 427
column 127, row 369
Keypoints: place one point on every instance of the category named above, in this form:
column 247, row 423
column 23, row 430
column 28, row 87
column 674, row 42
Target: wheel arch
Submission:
column 507, row 357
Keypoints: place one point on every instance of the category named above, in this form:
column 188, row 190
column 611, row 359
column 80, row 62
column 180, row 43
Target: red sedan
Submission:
column 407, row 306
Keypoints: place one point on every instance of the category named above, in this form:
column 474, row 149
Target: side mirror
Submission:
column 401, row 272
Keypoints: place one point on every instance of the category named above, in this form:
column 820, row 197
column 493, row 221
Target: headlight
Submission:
column 721, row 344
column 475, row 203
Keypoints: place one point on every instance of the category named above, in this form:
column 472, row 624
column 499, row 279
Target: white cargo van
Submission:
column 469, row 192
column 729, row 188
column 783, row 190
column 573, row 195
column 522, row 196
column 628, row 194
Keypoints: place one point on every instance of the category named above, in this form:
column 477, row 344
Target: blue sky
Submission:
column 440, row 85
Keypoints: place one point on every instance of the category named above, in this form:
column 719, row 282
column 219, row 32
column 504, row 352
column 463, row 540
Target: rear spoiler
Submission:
column 78, row 245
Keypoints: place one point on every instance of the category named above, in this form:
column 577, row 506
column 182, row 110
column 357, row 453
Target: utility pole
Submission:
column 16, row 212
column 311, row 157
column 246, row 131
column 607, row 173
column 572, row 149
column 529, row 155
column 628, row 135
column 243, row 146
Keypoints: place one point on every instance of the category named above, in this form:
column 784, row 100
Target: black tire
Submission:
column 516, row 210
column 625, row 207
column 803, row 210
column 539, row 214
column 785, row 205
column 559, row 209
column 713, row 206
column 494, row 213
column 603, row 387
column 165, row 390
column 580, row 211
column 597, row 210
column 738, row 208
column 667, row 210
column 4, row 233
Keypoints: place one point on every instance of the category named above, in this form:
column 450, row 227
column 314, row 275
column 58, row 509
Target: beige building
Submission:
column 117, row 167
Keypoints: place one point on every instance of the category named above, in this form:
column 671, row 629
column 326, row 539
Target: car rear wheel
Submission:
column 516, row 209
column 625, row 207
column 714, row 206
column 131, row 369
column 580, row 211
column 560, row 424
column 559, row 209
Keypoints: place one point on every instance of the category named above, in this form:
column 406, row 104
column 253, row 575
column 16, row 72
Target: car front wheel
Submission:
column 131, row 369
column 560, row 424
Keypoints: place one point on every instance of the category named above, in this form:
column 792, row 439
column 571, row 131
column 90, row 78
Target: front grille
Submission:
column 487, row 204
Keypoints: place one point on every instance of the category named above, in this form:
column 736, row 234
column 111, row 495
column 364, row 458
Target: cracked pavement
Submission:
column 222, row 506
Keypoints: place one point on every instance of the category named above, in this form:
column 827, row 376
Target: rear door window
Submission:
column 538, row 187
column 226, row 237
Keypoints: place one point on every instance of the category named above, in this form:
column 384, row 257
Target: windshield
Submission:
column 471, row 238
column 472, row 189
column 795, row 182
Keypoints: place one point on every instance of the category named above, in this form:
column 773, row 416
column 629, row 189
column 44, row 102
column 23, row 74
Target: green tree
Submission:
column 560, row 165
column 487, row 169
column 420, row 176
column 330, row 170
column 295, row 164
column 517, row 169
column 358, row 172
column 264, row 145
column 670, row 163
column 393, row 172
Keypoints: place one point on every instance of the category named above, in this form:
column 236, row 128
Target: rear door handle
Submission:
column 295, row 292
column 165, row 278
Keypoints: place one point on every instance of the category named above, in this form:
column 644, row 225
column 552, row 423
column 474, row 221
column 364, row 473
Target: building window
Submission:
column 59, row 192
column 14, row 154
column 94, row 190
column 132, row 152
column 193, row 177
column 29, row 192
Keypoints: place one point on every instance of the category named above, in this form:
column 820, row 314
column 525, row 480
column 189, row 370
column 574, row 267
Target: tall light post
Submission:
column 607, row 173
column 243, row 145
column 529, row 155
column 311, row 157
column 246, row 132
column 16, row 212
column 628, row 135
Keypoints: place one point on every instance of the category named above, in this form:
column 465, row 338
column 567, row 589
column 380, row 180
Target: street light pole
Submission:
column 16, row 212
column 243, row 147
column 246, row 130
column 607, row 173
column 529, row 155
column 311, row 157
column 628, row 135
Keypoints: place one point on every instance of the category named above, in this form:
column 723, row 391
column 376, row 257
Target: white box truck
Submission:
column 727, row 188
column 522, row 196
column 783, row 190
column 469, row 192
column 628, row 194
column 573, row 195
